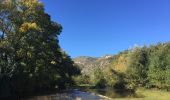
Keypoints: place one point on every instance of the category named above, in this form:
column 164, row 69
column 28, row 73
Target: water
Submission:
column 68, row 95
column 93, row 94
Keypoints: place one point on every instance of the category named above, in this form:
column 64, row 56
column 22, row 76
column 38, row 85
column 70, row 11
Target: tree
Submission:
column 30, row 55
column 98, row 79
column 67, row 70
column 158, row 73
column 137, row 67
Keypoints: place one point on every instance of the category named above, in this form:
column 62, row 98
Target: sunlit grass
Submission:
column 150, row 95
column 142, row 94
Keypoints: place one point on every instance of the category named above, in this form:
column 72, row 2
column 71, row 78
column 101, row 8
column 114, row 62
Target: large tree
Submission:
column 29, row 50
column 137, row 67
column 159, row 66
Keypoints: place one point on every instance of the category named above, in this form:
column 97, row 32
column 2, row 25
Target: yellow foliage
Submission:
column 29, row 3
column 53, row 62
column 28, row 26
column 121, row 63
column 20, row 53
column 29, row 54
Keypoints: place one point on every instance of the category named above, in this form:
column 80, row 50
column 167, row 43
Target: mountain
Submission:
column 89, row 64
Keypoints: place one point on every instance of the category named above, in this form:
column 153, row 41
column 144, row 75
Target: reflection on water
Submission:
column 80, row 95
column 62, row 96
column 69, row 95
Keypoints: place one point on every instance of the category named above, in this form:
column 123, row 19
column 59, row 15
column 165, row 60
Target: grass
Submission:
column 144, row 94
column 150, row 95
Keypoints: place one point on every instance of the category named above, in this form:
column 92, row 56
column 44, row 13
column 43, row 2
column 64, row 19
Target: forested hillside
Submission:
column 147, row 67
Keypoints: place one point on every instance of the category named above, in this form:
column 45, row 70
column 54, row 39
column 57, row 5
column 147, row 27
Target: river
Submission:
column 70, row 95
column 94, row 94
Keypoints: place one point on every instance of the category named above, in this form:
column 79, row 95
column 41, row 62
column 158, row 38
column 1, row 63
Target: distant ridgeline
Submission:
column 138, row 67
column 89, row 64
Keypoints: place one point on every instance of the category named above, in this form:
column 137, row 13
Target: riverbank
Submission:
column 78, row 94
column 152, row 94
column 146, row 94
column 140, row 93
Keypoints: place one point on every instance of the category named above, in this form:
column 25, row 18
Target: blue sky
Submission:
column 99, row 27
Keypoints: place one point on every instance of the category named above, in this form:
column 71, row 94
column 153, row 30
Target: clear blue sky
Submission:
column 99, row 27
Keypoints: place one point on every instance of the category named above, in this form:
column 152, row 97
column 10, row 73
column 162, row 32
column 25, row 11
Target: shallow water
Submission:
column 94, row 94
column 69, row 95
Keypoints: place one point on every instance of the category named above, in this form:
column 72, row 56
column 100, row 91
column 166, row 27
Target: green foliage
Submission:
column 137, row 67
column 98, row 79
column 30, row 56
column 82, row 79
column 110, row 77
column 158, row 73
column 115, row 79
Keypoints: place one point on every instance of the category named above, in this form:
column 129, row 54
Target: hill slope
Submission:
column 89, row 64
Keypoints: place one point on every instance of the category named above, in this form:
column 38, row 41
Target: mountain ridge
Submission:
column 88, row 64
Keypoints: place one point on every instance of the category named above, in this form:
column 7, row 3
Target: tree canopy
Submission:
column 30, row 56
